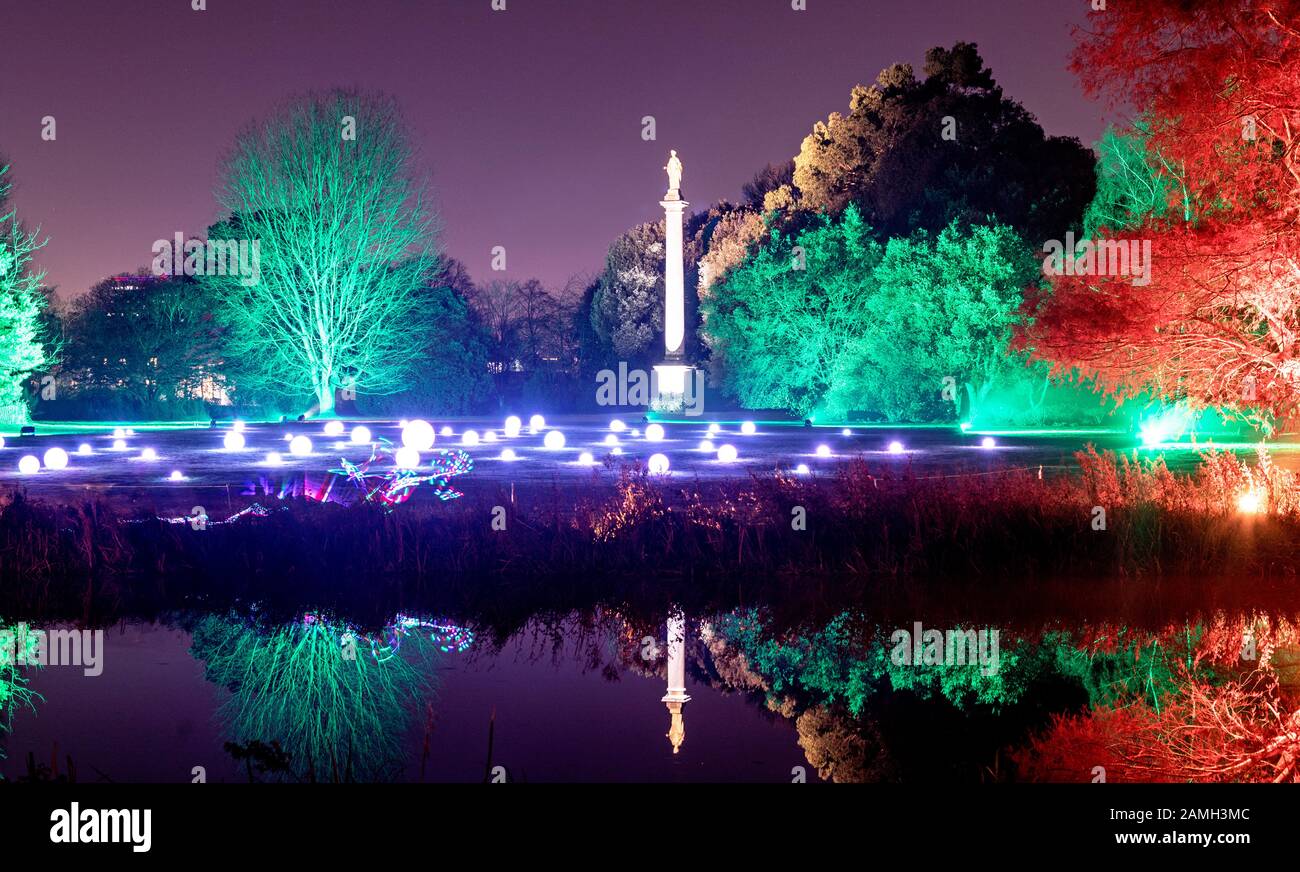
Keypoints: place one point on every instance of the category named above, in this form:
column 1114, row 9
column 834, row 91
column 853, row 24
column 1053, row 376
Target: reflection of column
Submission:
column 676, row 694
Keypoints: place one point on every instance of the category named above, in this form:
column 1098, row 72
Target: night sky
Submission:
column 528, row 120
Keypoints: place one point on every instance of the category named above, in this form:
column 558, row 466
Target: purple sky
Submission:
column 528, row 119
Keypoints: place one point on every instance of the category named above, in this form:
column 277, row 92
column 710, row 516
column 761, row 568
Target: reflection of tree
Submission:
column 842, row 749
column 317, row 691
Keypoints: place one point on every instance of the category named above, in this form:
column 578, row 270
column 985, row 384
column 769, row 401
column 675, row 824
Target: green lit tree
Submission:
column 328, row 188
column 21, row 306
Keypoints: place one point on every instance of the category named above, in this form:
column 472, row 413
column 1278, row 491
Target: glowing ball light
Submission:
column 119, row 444
column 635, row 433
column 360, row 435
column 300, row 446
column 56, row 458
column 176, row 475
column 333, row 428
column 728, row 454
column 148, row 454
column 238, row 426
column 714, row 429
column 987, row 442
column 801, row 469
column 513, row 426
column 611, row 439
column 823, row 451
column 706, row 445
column 407, row 458
column 234, row 441
column 748, row 428
column 29, row 465
column 895, row 447
column 658, row 464
column 418, row 435
column 1250, row 503
column 586, row 459
column 846, row 432
column 83, row 449
column 616, row 450
column 274, row 459
column 469, row 438
column 535, row 423
column 447, row 431
column 654, row 433
column 130, row 432
column 617, row 426
column 288, row 437
column 118, row 432
column 508, row 454
column 490, row 436
column 554, row 440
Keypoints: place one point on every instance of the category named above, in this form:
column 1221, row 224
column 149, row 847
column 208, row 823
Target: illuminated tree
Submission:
column 1219, row 322
column 328, row 188
column 13, row 685
column 21, row 306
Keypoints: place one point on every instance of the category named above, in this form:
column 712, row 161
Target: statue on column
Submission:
column 674, row 169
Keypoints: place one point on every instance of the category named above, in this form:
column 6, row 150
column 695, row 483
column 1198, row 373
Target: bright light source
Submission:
column 823, row 451
column 535, row 423
column 801, row 469
column 714, row 429
column 895, row 447
column 489, row 435
column 274, row 459
column 508, row 454
column 29, row 465
column 1251, row 502
column 748, row 428
column 130, row 432
column 83, row 449
column 634, row 433
column 988, row 442
column 611, row 439
column 360, row 435
column 119, row 444
column 586, row 459
column 846, row 432
column 176, row 476
column 616, row 450
column 554, row 440
column 56, row 458
column 654, row 433
column 446, row 431
column 617, row 426
column 300, row 446
column 706, row 445
column 469, row 438
column 237, row 426
column 118, row 432
column 234, row 441
column 334, row 428
column 658, row 464
column 418, row 435
column 148, row 454
column 407, row 458
column 513, row 426
column 728, row 453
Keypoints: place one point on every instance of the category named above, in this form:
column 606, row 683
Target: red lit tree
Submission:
column 1219, row 85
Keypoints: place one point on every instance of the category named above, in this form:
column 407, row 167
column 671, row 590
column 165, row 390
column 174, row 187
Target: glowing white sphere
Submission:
column 987, row 442
column 118, row 432
column 83, row 449
column 846, row 432
column 360, row 435
column 148, row 454
column 658, row 463
column 654, row 433
column 895, row 447
column 802, row 469
column 586, row 459
column 554, row 440
column 176, row 475
column 489, row 435
column 130, row 432
column 469, row 438
column 407, row 458
column 617, row 426
column 714, row 429
column 706, row 445
column 535, row 423
column 56, row 458
column 119, row 444
column 418, row 435
column 300, row 446
column 274, row 459
column 823, row 451
column 2, row 442
column 237, row 426
column 634, row 433
column 611, row 439
column 29, row 465
column 512, row 426
column 616, row 450
column 728, row 453
column 748, row 428
column 234, row 441
column 508, row 454
column 334, row 428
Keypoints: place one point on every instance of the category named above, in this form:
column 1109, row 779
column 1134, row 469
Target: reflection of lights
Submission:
column 617, row 426
column 1251, row 502
column 234, row 441
column 119, row 444
column 148, row 454
column 274, row 459
column 801, row 469
column 360, row 435
column 56, row 458
column 513, row 426
column 508, row 454
column 706, row 445
column 654, row 433
column 658, row 464
column 554, row 440
column 29, row 465
column 586, row 459
column 300, row 446
column 895, row 447
column 418, row 435
column 988, row 442
column 407, row 458
column 469, row 438
column 176, row 476
column 535, row 423
column 728, row 453
column 333, row 428
column 611, row 439
column 83, row 449
column 748, row 428
column 823, row 451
